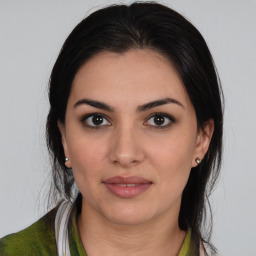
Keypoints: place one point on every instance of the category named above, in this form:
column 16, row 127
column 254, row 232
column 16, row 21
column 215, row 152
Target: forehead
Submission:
column 136, row 75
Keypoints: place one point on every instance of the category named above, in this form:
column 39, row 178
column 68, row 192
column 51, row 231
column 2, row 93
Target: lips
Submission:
column 127, row 187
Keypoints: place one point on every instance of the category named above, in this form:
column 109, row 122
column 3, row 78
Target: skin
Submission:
column 129, row 143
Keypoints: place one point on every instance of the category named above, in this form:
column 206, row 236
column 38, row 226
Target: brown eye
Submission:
column 95, row 121
column 160, row 120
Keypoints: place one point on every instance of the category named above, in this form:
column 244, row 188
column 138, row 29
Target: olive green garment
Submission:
column 39, row 239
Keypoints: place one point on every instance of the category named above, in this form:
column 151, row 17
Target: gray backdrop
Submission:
column 31, row 34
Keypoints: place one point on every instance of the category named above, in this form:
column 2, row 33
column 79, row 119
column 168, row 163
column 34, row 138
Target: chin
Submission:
column 127, row 216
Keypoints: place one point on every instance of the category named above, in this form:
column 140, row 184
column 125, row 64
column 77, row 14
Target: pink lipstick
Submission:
column 127, row 187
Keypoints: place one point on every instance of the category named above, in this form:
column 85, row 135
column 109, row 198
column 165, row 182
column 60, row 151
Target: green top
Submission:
column 39, row 239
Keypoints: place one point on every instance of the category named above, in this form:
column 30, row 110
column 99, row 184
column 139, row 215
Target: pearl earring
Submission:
column 198, row 160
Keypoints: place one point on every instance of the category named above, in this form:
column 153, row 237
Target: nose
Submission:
column 126, row 148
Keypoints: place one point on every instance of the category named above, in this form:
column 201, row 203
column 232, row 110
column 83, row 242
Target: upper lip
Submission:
column 126, row 180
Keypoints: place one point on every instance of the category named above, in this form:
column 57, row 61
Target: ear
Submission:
column 203, row 140
column 61, row 127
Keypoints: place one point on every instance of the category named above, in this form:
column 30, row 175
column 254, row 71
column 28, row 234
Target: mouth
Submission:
column 127, row 187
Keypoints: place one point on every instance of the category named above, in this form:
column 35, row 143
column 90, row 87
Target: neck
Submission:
column 160, row 236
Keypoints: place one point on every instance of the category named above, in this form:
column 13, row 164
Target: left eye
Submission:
column 159, row 120
column 95, row 121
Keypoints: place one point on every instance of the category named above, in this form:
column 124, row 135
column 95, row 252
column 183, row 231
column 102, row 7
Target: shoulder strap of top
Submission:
column 201, row 249
column 61, row 228
column 204, row 250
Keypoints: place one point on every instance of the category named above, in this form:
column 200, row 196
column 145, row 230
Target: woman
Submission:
column 135, row 122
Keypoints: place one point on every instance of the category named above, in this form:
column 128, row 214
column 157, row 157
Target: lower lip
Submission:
column 127, row 192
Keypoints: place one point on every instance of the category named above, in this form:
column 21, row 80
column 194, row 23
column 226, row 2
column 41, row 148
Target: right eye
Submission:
column 95, row 121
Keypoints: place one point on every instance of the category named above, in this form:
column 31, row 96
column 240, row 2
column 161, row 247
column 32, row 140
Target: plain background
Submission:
column 31, row 35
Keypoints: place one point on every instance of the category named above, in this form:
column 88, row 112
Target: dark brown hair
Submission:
column 119, row 28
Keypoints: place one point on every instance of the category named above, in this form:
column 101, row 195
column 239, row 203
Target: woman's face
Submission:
column 131, row 136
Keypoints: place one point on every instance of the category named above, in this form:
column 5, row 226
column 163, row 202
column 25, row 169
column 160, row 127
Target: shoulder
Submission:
column 37, row 239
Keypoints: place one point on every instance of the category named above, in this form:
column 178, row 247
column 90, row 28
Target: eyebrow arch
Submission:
column 140, row 108
column 94, row 103
column 157, row 103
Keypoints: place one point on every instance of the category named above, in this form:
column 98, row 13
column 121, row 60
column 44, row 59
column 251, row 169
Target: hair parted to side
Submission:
column 147, row 25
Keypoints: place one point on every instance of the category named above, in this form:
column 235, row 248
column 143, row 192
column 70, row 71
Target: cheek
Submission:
column 88, row 156
column 173, row 152
column 173, row 175
column 87, row 165
column 171, row 159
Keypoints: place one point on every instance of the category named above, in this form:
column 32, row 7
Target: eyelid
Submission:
column 165, row 115
column 85, row 117
column 171, row 118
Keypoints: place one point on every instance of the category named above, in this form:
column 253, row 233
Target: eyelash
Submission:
column 84, row 118
column 160, row 114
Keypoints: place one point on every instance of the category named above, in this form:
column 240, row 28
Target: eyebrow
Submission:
column 157, row 103
column 94, row 103
column 140, row 108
